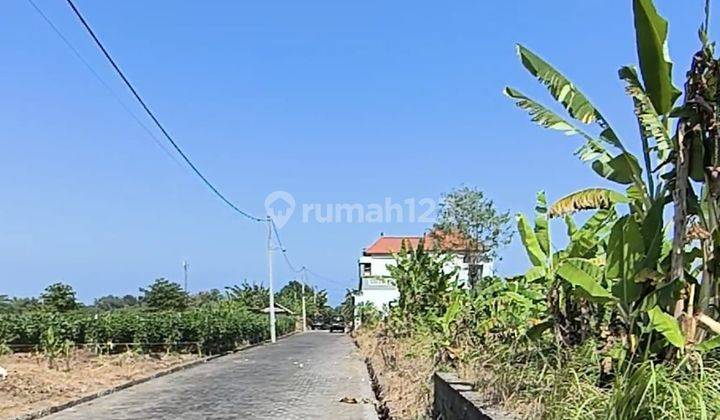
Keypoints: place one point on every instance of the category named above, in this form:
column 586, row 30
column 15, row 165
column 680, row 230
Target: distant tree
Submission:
column 110, row 302
column 18, row 305
column 290, row 296
column 320, row 300
column 206, row 297
column 252, row 296
column 59, row 297
column 5, row 303
column 164, row 295
column 465, row 212
column 347, row 306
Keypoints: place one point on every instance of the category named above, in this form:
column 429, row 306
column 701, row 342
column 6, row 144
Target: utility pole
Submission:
column 185, row 269
column 304, row 314
column 270, row 279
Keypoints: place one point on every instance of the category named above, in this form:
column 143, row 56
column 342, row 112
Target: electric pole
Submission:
column 304, row 314
column 270, row 280
column 185, row 269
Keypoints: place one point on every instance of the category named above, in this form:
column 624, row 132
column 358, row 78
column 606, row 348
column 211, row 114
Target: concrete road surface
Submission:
column 300, row 377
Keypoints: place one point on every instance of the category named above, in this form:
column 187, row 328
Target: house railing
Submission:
column 379, row 280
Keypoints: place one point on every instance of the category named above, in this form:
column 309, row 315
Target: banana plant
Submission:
column 696, row 165
column 568, row 273
column 650, row 282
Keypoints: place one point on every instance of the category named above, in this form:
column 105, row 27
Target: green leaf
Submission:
column 541, row 222
column 638, row 196
column 585, row 275
column 648, row 118
column 708, row 345
column 535, row 332
column 591, row 151
column 623, row 169
column 652, row 232
column 535, row 273
column 666, row 325
column 543, row 116
column 655, row 65
column 565, row 92
column 586, row 240
column 530, row 241
column 571, row 226
column 625, row 252
column 587, row 199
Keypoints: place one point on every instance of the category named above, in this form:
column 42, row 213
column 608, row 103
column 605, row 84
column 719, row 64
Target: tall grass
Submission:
column 646, row 390
column 553, row 383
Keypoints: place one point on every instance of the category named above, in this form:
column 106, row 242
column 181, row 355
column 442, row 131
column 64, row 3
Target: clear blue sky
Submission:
column 332, row 101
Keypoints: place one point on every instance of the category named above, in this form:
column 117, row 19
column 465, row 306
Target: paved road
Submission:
column 299, row 377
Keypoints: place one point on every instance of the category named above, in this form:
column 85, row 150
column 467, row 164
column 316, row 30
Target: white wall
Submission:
column 381, row 293
column 379, row 266
column 380, row 298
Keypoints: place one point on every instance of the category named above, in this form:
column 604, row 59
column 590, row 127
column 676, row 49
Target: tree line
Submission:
column 166, row 295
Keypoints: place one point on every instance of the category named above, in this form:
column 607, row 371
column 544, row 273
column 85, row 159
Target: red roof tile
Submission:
column 393, row 244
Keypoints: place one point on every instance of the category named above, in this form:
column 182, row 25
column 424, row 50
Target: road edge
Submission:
column 44, row 412
column 381, row 408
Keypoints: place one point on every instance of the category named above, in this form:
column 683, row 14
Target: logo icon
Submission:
column 280, row 206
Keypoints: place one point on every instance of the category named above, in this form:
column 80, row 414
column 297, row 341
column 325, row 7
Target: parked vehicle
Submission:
column 319, row 323
column 337, row 323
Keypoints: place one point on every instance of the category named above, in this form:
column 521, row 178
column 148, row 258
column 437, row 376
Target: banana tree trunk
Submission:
column 682, row 165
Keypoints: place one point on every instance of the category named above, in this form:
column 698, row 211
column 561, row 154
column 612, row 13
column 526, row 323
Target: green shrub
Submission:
column 214, row 327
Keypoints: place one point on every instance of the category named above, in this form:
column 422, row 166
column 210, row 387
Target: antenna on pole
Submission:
column 185, row 270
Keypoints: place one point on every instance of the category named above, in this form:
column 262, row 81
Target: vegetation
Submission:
column 252, row 296
column 658, row 292
column 622, row 322
column 466, row 214
column 211, row 328
column 163, row 318
column 164, row 295
column 290, row 296
column 59, row 297
column 110, row 302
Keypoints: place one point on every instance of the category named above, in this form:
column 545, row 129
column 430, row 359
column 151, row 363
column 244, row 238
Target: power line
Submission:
column 291, row 265
column 102, row 81
column 146, row 108
column 287, row 260
column 283, row 249
column 321, row 277
column 153, row 117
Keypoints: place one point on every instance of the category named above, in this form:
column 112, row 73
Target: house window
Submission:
column 365, row 269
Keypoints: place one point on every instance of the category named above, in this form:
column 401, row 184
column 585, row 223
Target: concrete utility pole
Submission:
column 270, row 279
column 304, row 314
column 185, row 269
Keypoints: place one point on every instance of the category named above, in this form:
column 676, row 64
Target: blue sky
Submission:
column 334, row 102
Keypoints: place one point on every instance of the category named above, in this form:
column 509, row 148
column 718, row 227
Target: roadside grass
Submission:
column 542, row 382
column 404, row 367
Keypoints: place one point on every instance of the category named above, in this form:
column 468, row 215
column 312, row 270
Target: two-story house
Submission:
column 376, row 284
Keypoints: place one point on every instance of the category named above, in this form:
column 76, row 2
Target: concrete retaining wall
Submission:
column 454, row 399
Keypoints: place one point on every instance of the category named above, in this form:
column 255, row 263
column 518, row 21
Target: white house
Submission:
column 377, row 286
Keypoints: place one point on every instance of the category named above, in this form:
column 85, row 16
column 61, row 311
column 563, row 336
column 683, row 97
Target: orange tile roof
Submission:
column 393, row 244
